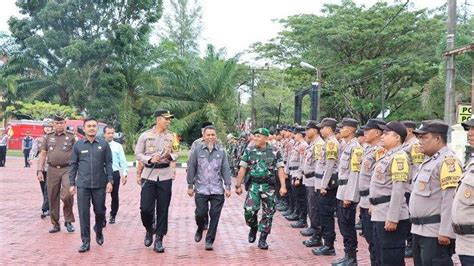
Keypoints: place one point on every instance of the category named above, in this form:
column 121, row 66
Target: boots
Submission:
column 349, row 259
column 262, row 242
column 253, row 234
column 148, row 237
column 158, row 248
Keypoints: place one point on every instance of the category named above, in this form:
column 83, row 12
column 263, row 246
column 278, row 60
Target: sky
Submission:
column 236, row 24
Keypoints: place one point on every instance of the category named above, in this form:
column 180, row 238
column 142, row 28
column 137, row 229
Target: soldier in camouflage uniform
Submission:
column 261, row 163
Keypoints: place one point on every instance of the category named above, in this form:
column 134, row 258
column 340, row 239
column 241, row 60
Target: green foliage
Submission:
column 40, row 110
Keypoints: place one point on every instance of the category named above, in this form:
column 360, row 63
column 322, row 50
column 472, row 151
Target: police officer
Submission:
column 290, row 214
column 412, row 147
column 262, row 163
column 347, row 191
column 55, row 150
column 434, row 187
column 372, row 155
column 463, row 206
column 91, row 172
column 388, row 185
column 328, row 186
column 311, row 156
column 158, row 150
column 296, row 175
column 283, row 203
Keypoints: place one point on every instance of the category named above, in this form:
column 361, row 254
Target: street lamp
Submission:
column 315, row 86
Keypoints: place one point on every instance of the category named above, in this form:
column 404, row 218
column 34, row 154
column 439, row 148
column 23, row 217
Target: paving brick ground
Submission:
column 25, row 238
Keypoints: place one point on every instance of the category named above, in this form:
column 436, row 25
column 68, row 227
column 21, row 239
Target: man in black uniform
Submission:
column 91, row 171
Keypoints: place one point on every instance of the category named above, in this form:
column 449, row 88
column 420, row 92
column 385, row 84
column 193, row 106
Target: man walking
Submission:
column 27, row 145
column 120, row 168
column 208, row 170
column 91, row 172
column 3, row 146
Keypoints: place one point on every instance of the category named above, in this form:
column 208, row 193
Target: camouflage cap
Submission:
column 261, row 131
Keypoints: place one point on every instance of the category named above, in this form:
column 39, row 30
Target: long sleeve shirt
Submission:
column 119, row 162
column 208, row 170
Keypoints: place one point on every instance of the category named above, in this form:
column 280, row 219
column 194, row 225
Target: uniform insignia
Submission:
column 331, row 151
column 379, row 153
column 416, row 155
column 399, row 168
column 151, row 149
column 467, row 193
column 317, row 151
column 367, row 166
column 450, row 173
column 356, row 158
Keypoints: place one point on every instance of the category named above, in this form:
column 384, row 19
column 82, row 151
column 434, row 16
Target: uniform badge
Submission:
column 467, row 193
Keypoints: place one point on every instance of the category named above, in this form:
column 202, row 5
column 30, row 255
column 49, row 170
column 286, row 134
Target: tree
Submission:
column 40, row 110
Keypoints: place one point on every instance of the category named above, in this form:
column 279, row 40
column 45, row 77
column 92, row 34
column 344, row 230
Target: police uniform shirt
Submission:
column 288, row 147
column 58, row 147
column 390, row 178
column 295, row 158
column 369, row 160
column 415, row 157
column 331, row 158
column 349, row 168
column 311, row 156
column 433, row 192
column 463, row 210
column 163, row 144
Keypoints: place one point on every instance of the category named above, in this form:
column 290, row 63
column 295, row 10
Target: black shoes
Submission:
column 307, row 232
column 253, row 234
column 287, row 212
column 148, row 238
column 299, row 224
column 347, row 260
column 198, row 235
column 262, row 242
column 158, row 248
column 324, row 251
column 69, row 227
column 310, row 243
column 358, row 225
column 55, row 229
column 408, row 252
column 111, row 220
column 208, row 246
column 44, row 214
column 293, row 217
column 99, row 236
column 104, row 223
column 85, row 247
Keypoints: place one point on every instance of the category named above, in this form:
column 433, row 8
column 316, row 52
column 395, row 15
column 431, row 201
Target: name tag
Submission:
column 86, row 151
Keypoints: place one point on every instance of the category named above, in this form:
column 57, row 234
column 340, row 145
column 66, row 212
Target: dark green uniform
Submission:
column 262, row 168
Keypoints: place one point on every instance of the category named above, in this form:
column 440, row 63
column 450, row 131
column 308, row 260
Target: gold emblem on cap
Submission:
column 467, row 193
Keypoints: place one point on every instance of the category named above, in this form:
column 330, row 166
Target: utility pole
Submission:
column 382, row 93
column 253, row 111
column 449, row 100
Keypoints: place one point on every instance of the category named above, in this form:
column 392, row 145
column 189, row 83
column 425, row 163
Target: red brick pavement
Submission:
column 25, row 238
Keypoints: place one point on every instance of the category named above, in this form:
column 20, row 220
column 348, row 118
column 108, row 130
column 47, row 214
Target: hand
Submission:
column 40, row 176
column 444, row 240
column 72, row 190
column 109, row 187
column 173, row 173
column 124, row 180
column 323, row 192
column 297, row 182
column 370, row 210
column 139, row 180
column 283, row 191
column 390, row 226
column 346, row 203
column 155, row 159
column 227, row 193
column 238, row 190
column 190, row 192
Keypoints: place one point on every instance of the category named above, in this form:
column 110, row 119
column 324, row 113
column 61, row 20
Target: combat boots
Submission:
column 262, row 242
column 349, row 259
column 159, row 245
column 253, row 234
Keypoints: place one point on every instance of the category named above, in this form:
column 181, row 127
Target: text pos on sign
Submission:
column 464, row 112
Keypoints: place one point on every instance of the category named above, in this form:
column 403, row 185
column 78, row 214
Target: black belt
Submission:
column 463, row 229
column 433, row 219
column 260, row 181
column 364, row 193
column 58, row 166
column 380, row 200
column 157, row 165
column 310, row 175
column 342, row 182
column 293, row 168
column 318, row 176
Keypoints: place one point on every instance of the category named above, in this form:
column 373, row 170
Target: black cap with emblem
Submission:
column 328, row 122
column 312, row 124
column 433, row 126
column 300, row 130
column 397, row 127
column 348, row 122
column 163, row 113
column 360, row 132
column 373, row 124
column 58, row 117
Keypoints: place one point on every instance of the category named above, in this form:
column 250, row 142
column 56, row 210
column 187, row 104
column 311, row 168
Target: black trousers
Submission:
column 285, row 199
column 390, row 246
column 367, row 232
column 44, row 192
column 114, row 205
column 291, row 192
column 346, row 221
column 301, row 202
column 312, row 198
column 84, row 198
column 466, row 260
column 3, row 155
column 26, row 155
column 428, row 252
column 214, row 212
column 327, row 206
column 409, row 235
column 155, row 195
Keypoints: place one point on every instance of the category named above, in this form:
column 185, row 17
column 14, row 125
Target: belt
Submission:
column 380, row 200
column 342, row 182
column 157, row 165
column 463, row 229
column 294, row 168
column 364, row 193
column 310, row 175
column 318, row 176
column 58, row 166
column 433, row 219
column 257, row 181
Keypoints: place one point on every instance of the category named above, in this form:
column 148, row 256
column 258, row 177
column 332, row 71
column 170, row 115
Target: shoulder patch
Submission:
column 317, row 151
column 399, row 168
column 416, row 155
column 356, row 158
column 331, row 150
column 379, row 153
column 450, row 173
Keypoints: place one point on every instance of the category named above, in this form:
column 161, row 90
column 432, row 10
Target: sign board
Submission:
column 464, row 112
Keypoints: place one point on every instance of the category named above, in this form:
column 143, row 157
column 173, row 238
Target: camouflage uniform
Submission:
column 261, row 165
